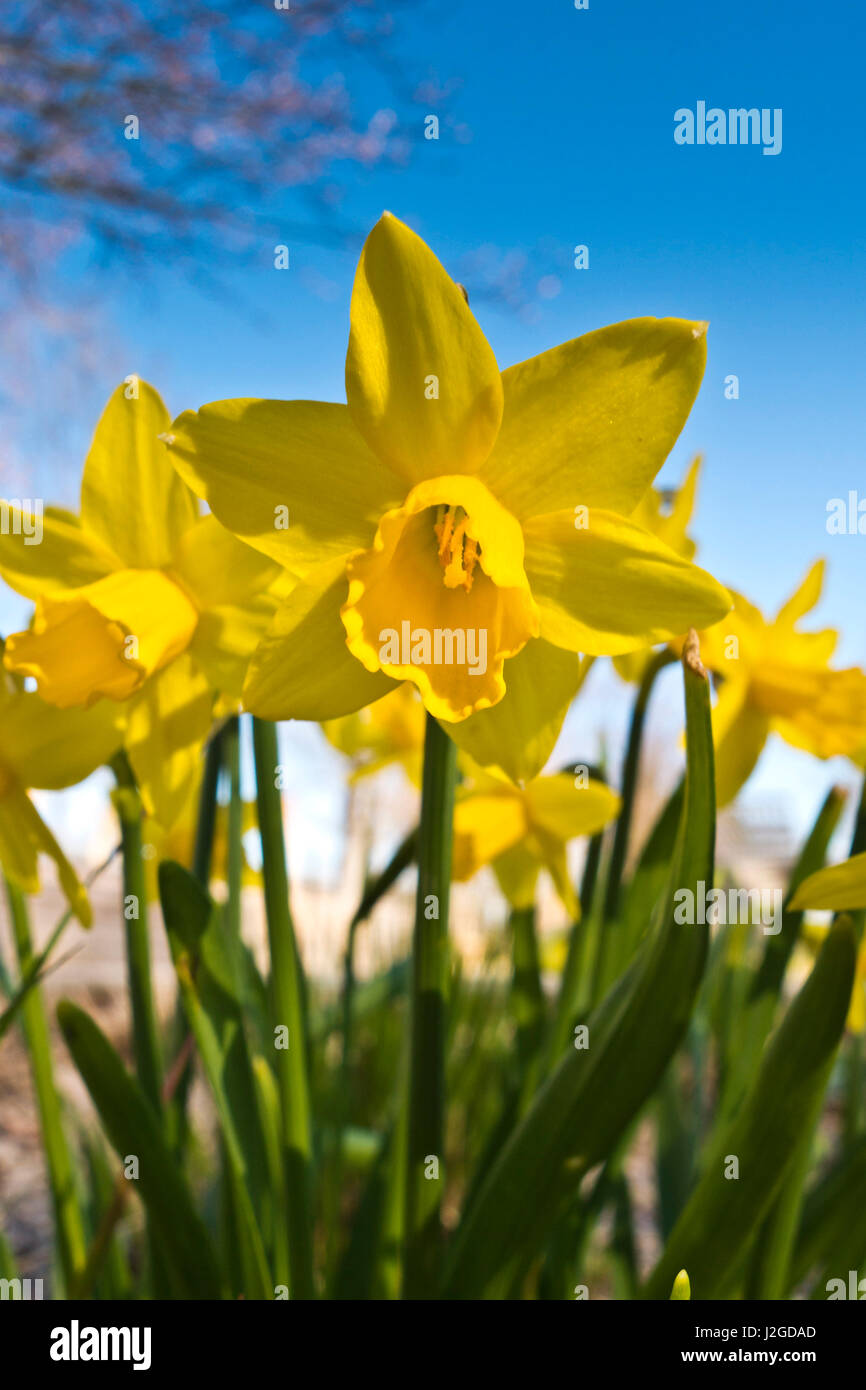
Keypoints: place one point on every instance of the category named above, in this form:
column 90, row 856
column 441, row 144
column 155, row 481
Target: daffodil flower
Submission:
column 139, row 599
column 389, row 731
column 45, row 748
column 521, row 831
column 776, row 678
column 668, row 519
column 452, row 526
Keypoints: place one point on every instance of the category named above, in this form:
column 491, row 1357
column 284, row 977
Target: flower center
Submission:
column 458, row 552
column 441, row 598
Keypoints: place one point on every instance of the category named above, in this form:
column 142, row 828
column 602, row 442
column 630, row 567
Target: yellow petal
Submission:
column 591, row 422
column 23, row 836
column 391, row 730
column 805, row 597
column 839, row 888
column 64, row 558
column 517, row 875
column 302, row 669
column 421, row 379
column 559, row 807
column 441, row 598
column 104, row 639
column 53, row 748
column 168, row 723
column 552, row 857
column 670, row 523
column 18, row 854
column 294, row 479
column 226, row 638
column 612, row 587
column 132, row 500
column 740, row 732
column 216, row 568
column 517, row 736
column 485, row 826
column 825, row 713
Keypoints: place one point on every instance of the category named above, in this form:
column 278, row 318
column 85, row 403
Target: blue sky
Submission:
column 559, row 132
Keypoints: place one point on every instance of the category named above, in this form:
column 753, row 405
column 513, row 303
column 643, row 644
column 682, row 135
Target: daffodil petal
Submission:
column 517, row 873
column 65, row 557
column 671, row 524
column 132, row 500
column 217, row 568
column 167, row 725
column 804, row 597
column 553, row 857
column 591, row 422
column 517, row 736
column 18, row 854
column 739, row 732
column 23, row 836
column 562, row 808
column 293, row 479
column 611, row 587
column 832, row 722
column 839, row 888
column 302, row 669
column 484, row 827
column 421, row 379
column 226, row 638
column 53, row 748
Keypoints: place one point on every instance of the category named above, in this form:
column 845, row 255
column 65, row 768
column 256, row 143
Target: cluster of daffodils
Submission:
column 454, row 542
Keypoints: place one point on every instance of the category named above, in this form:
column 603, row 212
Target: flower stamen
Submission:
column 458, row 552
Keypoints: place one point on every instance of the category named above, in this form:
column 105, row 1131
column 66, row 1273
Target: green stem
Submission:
column 234, row 852
column 610, row 940
column 527, row 996
column 67, row 1212
column 613, row 887
column 145, row 1031
column 288, row 1012
column 428, row 998
column 574, row 989
column 207, row 809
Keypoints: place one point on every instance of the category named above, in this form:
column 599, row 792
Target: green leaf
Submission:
column 133, row 1128
column 712, row 1237
column 202, row 960
column 832, row 1235
column 588, row 1102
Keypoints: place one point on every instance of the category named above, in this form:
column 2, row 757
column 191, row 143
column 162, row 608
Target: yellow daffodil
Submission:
column 389, row 731
column 462, row 529
column 776, row 678
column 139, row 599
column 45, row 748
column 668, row 519
column 521, row 831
